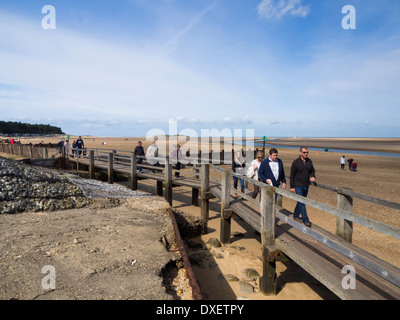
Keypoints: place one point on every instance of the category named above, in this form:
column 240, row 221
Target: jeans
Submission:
column 235, row 183
column 301, row 207
column 139, row 161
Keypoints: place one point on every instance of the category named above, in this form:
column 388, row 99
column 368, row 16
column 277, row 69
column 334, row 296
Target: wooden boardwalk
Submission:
column 324, row 255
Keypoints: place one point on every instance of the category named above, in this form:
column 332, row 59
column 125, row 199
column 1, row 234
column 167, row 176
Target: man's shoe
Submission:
column 298, row 220
column 308, row 224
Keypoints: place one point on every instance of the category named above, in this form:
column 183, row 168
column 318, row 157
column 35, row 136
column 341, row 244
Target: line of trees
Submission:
column 9, row 127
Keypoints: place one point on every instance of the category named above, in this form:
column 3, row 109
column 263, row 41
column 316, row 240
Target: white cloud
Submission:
column 271, row 9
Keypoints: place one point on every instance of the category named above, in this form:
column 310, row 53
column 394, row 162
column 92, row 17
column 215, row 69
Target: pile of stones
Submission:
column 24, row 188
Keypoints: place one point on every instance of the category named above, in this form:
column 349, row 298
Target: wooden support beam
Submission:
column 225, row 206
column 195, row 197
column 110, row 168
column 91, row 164
column 134, row 178
column 344, row 228
column 159, row 188
column 205, row 188
column 267, row 209
column 168, row 181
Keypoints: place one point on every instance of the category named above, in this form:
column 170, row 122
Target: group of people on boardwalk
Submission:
column 77, row 147
column 271, row 171
column 152, row 154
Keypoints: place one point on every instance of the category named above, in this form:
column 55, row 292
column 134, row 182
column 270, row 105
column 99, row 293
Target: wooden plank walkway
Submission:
column 324, row 264
column 321, row 261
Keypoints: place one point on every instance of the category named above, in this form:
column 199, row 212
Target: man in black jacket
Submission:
column 139, row 151
column 301, row 173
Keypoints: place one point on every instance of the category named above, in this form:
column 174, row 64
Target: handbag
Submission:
column 251, row 172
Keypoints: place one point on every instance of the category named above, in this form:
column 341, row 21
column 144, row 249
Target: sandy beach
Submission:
column 376, row 176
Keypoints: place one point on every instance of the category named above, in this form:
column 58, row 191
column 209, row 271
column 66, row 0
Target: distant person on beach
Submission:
column 301, row 173
column 238, row 165
column 79, row 145
column 342, row 162
column 139, row 151
column 350, row 162
column 176, row 156
column 271, row 170
column 354, row 166
column 152, row 154
column 252, row 172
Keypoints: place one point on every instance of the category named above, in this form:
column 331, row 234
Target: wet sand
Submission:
column 366, row 144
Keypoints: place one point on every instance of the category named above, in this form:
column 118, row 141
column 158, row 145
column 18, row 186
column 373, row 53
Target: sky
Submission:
column 277, row 68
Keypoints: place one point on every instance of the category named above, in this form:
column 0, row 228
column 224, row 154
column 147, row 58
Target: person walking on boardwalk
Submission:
column 152, row 154
column 238, row 165
column 176, row 156
column 74, row 148
column 139, row 152
column 342, row 162
column 79, row 145
column 271, row 170
column 67, row 147
column 252, row 172
column 301, row 173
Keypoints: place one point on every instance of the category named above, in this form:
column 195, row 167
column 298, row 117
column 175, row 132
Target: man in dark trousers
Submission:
column 139, row 151
column 271, row 170
column 301, row 173
column 79, row 145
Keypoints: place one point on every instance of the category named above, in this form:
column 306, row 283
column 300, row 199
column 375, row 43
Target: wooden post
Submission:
column 159, row 188
column 267, row 208
column 45, row 153
column 344, row 228
column 225, row 208
column 195, row 192
column 30, row 151
column 205, row 187
column 110, row 168
column 91, row 164
column 168, row 181
column 195, row 197
column 134, row 180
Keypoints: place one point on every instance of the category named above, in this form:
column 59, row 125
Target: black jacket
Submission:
column 300, row 173
column 139, row 151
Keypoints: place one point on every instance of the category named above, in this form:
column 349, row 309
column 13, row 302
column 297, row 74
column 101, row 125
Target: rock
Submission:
column 231, row 277
column 217, row 255
column 245, row 287
column 237, row 234
column 250, row 274
column 214, row 242
column 238, row 248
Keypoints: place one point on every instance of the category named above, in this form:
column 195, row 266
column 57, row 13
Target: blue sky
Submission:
column 280, row 67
